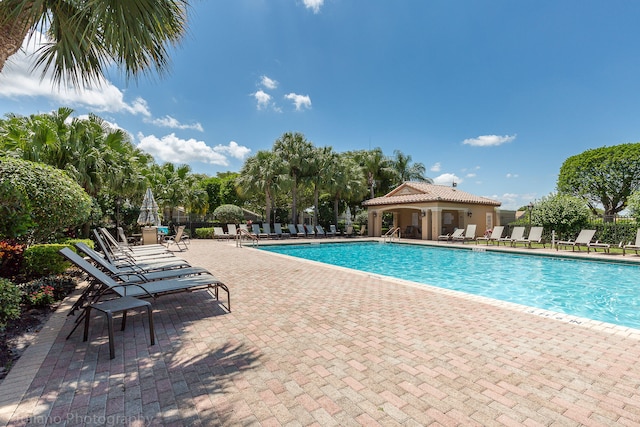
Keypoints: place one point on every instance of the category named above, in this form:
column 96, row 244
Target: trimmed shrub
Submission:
column 228, row 214
column 11, row 259
column 204, row 233
column 56, row 201
column 43, row 260
column 10, row 297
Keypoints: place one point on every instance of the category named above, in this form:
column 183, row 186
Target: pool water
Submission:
column 604, row 291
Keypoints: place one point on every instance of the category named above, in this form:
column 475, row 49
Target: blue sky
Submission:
column 494, row 95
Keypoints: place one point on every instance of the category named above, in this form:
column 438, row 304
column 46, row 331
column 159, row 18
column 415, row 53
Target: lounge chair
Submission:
column 122, row 259
column 496, row 234
column 302, row 232
column 232, row 230
column 177, row 239
column 218, row 233
column 469, row 234
column 107, row 242
column 136, row 274
column 516, row 234
column 266, row 229
column 535, row 236
column 293, row 232
column 632, row 246
column 348, row 232
column 584, row 239
column 333, row 231
column 277, row 227
column 148, row 289
column 457, row 233
column 118, row 246
column 363, row 231
column 255, row 229
column 310, row 231
column 320, row 231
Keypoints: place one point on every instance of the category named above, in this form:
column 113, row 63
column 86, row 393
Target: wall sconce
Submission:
column 375, row 214
column 469, row 213
column 424, row 213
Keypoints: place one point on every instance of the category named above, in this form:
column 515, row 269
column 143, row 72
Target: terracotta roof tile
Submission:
column 416, row 192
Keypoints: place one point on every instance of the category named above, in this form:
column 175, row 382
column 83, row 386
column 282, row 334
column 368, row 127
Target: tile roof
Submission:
column 417, row 192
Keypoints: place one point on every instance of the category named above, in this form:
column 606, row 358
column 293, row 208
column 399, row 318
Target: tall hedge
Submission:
column 55, row 201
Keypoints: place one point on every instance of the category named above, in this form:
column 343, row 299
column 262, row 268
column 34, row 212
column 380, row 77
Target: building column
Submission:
column 436, row 223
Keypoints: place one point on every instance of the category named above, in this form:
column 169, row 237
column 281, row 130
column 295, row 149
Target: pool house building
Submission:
column 426, row 211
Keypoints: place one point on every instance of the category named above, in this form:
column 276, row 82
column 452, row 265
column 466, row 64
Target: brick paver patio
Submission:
column 313, row 345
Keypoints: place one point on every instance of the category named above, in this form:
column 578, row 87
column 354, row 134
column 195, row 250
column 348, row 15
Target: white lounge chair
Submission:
column 469, row 234
column 496, row 234
column 218, row 233
column 516, row 234
column 584, row 239
column 535, row 236
column 632, row 246
column 457, row 233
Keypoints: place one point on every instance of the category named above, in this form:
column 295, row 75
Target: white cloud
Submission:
column 268, row 83
column 18, row 79
column 435, row 167
column 489, row 140
column 263, row 99
column 313, row 5
column 447, row 179
column 512, row 175
column 299, row 100
column 234, row 150
column 172, row 149
column 470, row 175
column 173, row 123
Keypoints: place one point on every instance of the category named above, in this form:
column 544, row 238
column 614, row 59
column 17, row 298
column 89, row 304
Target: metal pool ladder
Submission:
column 394, row 232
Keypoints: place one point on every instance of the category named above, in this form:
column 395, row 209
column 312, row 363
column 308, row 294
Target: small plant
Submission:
column 43, row 297
column 11, row 258
column 58, row 286
column 10, row 297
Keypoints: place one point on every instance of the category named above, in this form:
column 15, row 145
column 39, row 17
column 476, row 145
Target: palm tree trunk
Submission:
column 336, row 207
column 14, row 30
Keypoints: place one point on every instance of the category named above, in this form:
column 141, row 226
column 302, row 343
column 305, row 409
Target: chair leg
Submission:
column 152, row 333
column 87, row 316
column 112, row 350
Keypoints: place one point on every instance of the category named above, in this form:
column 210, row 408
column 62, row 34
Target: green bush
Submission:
column 43, row 260
column 56, row 201
column 228, row 214
column 15, row 211
column 204, row 233
column 10, row 297
column 71, row 243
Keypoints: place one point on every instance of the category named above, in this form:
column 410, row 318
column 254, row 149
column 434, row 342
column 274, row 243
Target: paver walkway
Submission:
column 312, row 345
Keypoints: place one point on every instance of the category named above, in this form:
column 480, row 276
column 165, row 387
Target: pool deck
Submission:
column 313, row 345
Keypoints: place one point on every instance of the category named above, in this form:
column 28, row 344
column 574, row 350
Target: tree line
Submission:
column 114, row 173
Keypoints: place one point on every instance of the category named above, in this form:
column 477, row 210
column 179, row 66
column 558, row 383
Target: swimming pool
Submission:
column 604, row 291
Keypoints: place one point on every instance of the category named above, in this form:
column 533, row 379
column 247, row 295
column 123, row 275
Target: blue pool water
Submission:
column 604, row 291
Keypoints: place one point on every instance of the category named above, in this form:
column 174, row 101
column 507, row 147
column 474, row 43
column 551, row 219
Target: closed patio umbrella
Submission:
column 149, row 210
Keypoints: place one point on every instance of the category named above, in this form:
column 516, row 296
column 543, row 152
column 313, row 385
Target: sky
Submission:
column 493, row 95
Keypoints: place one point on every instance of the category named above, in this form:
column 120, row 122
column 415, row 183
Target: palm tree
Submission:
column 85, row 37
column 261, row 174
column 318, row 174
column 172, row 186
column 376, row 167
column 344, row 181
column 405, row 171
column 294, row 150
